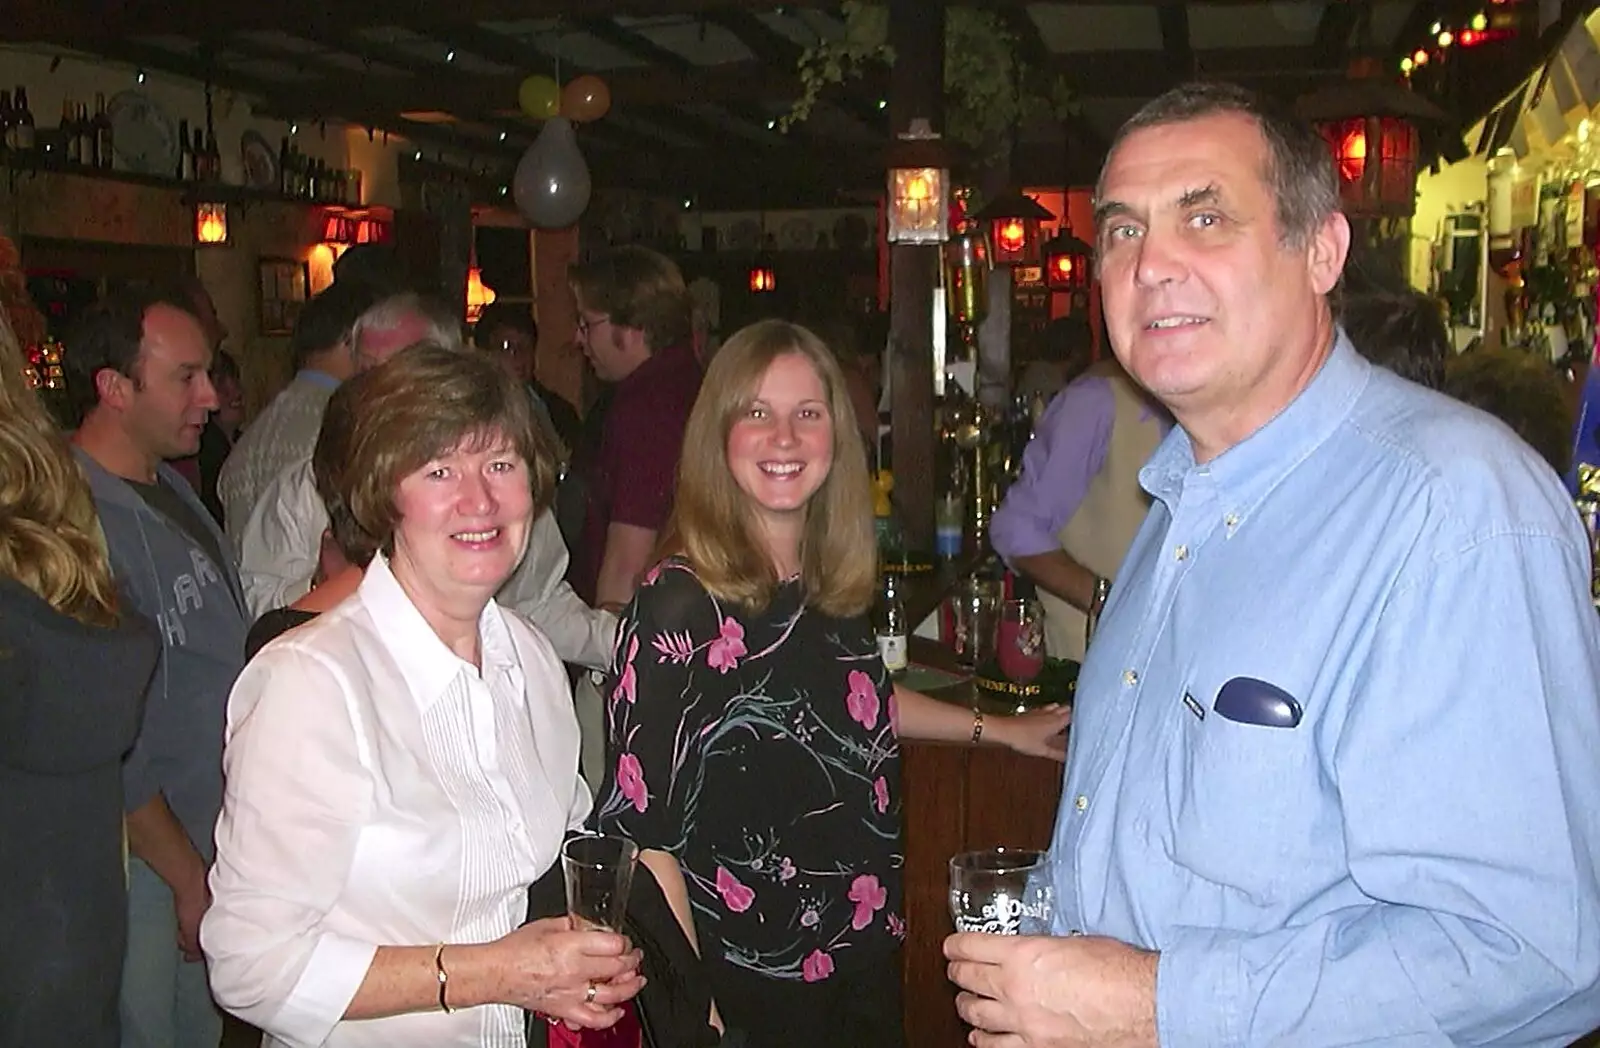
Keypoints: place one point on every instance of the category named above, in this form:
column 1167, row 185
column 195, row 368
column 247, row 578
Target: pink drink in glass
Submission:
column 1021, row 641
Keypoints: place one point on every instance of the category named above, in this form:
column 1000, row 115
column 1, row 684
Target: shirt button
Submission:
column 1181, row 553
column 1130, row 678
column 1081, row 802
column 1231, row 520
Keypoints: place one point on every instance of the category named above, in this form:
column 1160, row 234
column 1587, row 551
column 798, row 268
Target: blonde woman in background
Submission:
column 73, row 670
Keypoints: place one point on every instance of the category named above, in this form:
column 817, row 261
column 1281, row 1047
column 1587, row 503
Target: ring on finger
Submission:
column 588, row 995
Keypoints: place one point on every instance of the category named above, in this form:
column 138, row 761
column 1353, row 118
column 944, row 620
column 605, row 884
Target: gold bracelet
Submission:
column 977, row 726
column 444, row 978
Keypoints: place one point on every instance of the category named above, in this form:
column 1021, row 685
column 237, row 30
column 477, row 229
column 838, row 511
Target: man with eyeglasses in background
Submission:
column 635, row 326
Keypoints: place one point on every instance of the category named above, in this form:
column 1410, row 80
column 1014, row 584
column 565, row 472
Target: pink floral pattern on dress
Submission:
column 725, row 717
column 628, row 683
column 630, row 782
column 736, row 895
column 728, row 648
column 870, row 896
column 862, row 702
column 816, row 967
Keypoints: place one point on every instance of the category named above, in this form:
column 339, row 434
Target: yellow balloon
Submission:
column 585, row 98
column 539, row 97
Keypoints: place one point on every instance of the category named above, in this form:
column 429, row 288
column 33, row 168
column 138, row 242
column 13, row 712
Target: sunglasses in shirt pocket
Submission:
column 1246, row 700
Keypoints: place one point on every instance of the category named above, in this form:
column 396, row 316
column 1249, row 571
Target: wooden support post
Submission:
column 916, row 90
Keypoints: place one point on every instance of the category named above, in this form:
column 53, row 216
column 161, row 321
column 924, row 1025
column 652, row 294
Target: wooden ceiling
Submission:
column 697, row 84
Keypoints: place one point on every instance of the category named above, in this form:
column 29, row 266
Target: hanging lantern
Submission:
column 479, row 294
column 1067, row 264
column 762, row 279
column 210, row 223
column 1371, row 125
column 919, row 187
column 1012, row 221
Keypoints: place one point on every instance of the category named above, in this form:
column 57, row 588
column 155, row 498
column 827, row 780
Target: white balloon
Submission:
column 551, row 186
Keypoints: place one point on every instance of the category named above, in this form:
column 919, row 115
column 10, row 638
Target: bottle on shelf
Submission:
column 213, row 157
column 197, row 155
column 185, row 168
column 285, row 179
column 6, row 124
column 85, row 129
column 23, row 139
column 67, row 134
column 889, row 622
column 104, row 151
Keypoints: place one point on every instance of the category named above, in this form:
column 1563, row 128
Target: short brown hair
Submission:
column 330, row 460
column 1299, row 164
column 712, row 524
column 637, row 288
column 418, row 405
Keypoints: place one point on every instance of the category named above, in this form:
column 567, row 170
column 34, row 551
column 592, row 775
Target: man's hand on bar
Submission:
column 1024, row 991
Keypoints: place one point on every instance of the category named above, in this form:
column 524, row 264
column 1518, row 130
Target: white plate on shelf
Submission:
column 142, row 134
column 259, row 162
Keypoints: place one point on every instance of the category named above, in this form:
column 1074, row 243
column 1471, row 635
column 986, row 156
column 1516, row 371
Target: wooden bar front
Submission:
column 958, row 798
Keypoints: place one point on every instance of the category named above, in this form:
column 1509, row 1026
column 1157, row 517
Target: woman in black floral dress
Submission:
column 753, row 730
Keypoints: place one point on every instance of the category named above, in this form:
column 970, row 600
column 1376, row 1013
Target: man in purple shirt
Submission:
column 1070, row 517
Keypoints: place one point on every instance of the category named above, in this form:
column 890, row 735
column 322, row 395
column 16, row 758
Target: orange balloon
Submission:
column 585, row 98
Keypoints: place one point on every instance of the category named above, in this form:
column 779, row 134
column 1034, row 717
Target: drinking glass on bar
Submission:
column 1001, row 891
column 598, row 869
column 975, row 608
column 1020, row 645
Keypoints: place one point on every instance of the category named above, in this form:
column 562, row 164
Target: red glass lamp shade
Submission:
column 1067, row 264
column 1012, row 222
column 1376, row 158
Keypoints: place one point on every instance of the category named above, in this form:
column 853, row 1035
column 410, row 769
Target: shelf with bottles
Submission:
column 18, row 165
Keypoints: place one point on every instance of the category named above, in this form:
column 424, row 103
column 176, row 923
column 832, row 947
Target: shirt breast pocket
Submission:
column 1246, row 803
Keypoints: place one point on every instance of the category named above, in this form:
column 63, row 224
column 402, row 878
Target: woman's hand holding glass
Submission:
column 546, row 966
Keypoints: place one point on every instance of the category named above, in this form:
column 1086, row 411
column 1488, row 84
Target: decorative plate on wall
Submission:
column 797, row 234
column 142, row 134
column 745, row 235
column 258, row 160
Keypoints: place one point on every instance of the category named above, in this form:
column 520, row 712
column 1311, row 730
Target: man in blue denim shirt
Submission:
column 1333, row 775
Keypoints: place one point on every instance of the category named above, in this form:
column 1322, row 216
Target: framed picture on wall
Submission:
column 283, row 285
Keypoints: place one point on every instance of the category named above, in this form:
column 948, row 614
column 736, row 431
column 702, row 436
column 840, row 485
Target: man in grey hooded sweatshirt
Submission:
column 137, row 369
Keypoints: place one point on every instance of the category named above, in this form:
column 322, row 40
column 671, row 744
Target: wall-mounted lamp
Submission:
column 763, row 279
column 919, row 187
column 210, row 223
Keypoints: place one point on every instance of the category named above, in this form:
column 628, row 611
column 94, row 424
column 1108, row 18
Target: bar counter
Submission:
column 957, row 798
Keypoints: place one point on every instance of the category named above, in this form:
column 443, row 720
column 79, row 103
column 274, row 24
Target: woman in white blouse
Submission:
column 401, row 768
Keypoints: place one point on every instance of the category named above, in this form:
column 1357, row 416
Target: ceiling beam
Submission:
column 1173, row 16
column 1336, row 27
column 83, row 21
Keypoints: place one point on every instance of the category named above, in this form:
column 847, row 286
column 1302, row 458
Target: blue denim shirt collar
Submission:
column 1245, row 473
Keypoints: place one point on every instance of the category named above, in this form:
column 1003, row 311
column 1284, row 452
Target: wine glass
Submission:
column 598, row 870
column 1001, row 891
column 1021, row 640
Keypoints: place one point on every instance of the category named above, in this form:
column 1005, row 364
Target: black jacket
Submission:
column 676, row 998
column 70, row 700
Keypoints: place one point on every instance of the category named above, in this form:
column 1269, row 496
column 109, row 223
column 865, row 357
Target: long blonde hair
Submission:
column 712, row 524
column 50, row 539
